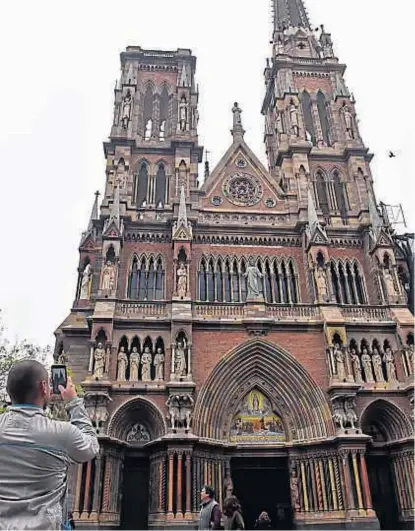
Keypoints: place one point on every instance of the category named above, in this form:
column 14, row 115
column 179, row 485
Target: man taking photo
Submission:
column 35, row 451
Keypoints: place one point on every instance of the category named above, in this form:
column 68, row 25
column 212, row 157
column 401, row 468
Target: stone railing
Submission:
column 221, row 311
column 295, row 311
column 134, row 310
column 365, row 313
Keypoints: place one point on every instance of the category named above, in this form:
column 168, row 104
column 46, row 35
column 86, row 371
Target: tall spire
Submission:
column 313, row 222
column 182, row 218
column 182, row 228
column 115, row 208
column 94, row 211
column 289, row 13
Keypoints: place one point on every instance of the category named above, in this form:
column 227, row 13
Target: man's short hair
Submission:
column 23, row 381
column 210, row 491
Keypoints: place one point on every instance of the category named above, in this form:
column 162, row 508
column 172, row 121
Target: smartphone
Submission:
column 59, row 377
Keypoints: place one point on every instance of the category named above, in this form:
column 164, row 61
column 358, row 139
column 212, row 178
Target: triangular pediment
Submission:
column 319, row 236
column 87, row 242
column 112, row 231
column 181, row 233
column 240, row 181
column 383, row 239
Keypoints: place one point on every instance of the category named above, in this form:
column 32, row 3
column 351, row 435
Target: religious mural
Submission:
column 255, row 421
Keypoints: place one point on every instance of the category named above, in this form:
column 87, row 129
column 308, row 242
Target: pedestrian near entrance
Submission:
column 263, row 521
column 210, row 513
column 232, row 511
column 36, row 451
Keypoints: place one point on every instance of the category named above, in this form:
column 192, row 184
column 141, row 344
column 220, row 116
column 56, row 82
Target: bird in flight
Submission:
column 391, row 154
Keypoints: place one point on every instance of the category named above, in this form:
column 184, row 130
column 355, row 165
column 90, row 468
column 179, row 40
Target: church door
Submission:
column 134, row 508
column 382, row 488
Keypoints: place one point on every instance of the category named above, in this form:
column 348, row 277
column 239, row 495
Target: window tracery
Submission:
column 347, row 282
column 146, row 278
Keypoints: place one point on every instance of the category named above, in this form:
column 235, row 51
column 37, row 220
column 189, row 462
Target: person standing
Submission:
column 210, row 513
column 233, row 513
column 263, row 521
column 36, row 450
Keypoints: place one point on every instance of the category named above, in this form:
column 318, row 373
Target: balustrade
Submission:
column 365, row 313
column 133, row 310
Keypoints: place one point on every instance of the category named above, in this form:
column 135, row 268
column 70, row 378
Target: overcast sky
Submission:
column 59, row 62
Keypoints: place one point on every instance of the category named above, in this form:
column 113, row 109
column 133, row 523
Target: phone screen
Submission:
column 59, row 377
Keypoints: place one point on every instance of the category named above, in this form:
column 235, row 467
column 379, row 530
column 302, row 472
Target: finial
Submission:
column 207, row 170
column 237, row 129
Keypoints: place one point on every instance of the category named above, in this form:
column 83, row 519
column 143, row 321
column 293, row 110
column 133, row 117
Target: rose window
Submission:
column 243, row 190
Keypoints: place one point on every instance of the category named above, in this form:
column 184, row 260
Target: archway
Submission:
column 388, row 468
column 136, row 422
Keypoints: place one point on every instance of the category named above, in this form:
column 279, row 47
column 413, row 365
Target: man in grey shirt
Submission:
column 35, row 451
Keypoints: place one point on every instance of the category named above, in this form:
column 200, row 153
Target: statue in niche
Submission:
column 180, row 366
column 339, row 415
column 377, row 365
column 367, row 366
column 122, row 365
column 294, row 119
column 126, row 109
column 390, row 365
column 86, row 277
column 162, row 131
column 96, row 403
column 148, row 129
column 108, row 277
column 182, row 114
column 295, row 497
column 253, row 276
column 411, row 358
column 321, row 280
column 357, row 366
column 159, row 364
column 180, row 410
column 348, row 119
column 182, row 280
column 390, row 285
column 237, row 111
column 146, row 365
column 134, row 363
column 62, row 358
column 278, row 123
column 349, row 407
column 138, row 433
column 339, row 358
column 99, row 361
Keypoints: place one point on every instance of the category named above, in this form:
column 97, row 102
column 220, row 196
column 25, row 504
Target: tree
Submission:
column 10, row 352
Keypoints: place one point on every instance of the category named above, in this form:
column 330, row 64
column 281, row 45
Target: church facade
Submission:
column 251, row 332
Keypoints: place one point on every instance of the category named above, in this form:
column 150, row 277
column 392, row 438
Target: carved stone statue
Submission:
column 182, row 114
column 96, row 404
column 99, row 361
column 348, row 119
column 180, row 365
column 294, row 119
column 162, row 130
column 377, row 366
column 173, row 405
column 390, row 285
column 357, row 366
column 126, row 109
column 351, row 416
column 108, row 277
column 148, row 129
column 62, row 358
column 339, row 358
column 411, row 358
column 146, row 361
column 339, row 415
column 134, row 363
column 253, row 276
column 180, row 410
column 122, row 365
column 237, row 111
column 321, row 280
column 182, row 280
column 138, row 433
column 278, row 123
column 86, row 276
column 159, row 364
column 367, row 366
column 295, row 497
column 390, row 365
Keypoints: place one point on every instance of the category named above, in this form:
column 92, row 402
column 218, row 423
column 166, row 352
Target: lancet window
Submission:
column 141, row 185
column 347, row 282
column 322, row 113
column 307, row 107
column 223, row 280
column 146, row 278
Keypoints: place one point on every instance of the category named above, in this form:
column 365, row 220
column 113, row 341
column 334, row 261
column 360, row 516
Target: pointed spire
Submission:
column 182, row 228
column 115, row 208
column 375, row 219
column 182, row 218
column 289, row 13
column 237, row 129
column 94, row 211
column 313, row 222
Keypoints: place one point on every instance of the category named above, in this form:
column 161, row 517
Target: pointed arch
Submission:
column 257, row 363
column 132, row 290
column 340, row 193
column 148, row 103
column 321, row 192
column 384, row 420
column 322, row 113
column 203, row 280
column 219, row 279
column 141, row 182
column 335, row 281
column 307, row 107
column 161, row 182
column 211, row 280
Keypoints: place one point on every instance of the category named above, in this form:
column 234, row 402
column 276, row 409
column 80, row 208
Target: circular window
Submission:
column 242, row 189
column 241, row 163
column 216, row 200
column 270, row 203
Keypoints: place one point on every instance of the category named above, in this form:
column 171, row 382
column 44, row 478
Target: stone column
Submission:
column 365, row 482
column 170, row 515
column 96, row 500
column 304, row 485
column 357, row 481
column 348, row 502
column 333, row 485
column 179, row 507
column 323, row 484
column 76, row 512
column 188, row 464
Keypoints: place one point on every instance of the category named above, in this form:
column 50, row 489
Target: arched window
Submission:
column 228, row 282
column 306, row 105
column 148, row 113
column 203, row 281
column 341, row 194
column 210, row 281
column 142, row 281
column 322, row 112
column 360, row 293
column 343, row 287
column 219, row 281
column 284, row 282
column 277, row 283
column 335, row 282
column 235, row 282
column 164, row 114
column 268, row 283
column 243, row 280
column 133, row 280
column 141, row 185
column 110, row 255
column 293, row 283
column 350, row 283
column 160, row 196
column 151, row 280
column 321, row 192
column 159, row 288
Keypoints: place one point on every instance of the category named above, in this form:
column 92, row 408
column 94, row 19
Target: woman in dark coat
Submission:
column 232, row 511
column 263, row 521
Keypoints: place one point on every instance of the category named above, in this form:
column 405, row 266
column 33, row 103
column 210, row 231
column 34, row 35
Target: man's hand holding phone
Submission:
column 68, row 392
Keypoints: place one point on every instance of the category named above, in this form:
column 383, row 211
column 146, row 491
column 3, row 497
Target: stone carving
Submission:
column 377, row 366
column 339, row 358
column 62, row 358
column 411, row 403
column 344, row 411
column 183, row 114
column 108, row 277
column 146, row 361
column 348, row 119
column 86, row 276
column 148, row 129
column 122, row 365
column 253, row 276
column 278, row 123
column 57, row 410
column 389, row 360
column 180, row 410
column 295, row 497
column 237, row 111
column 367, row 366
column 389, row 284
column 182, row 280
column 228, row 487
column 351, row 417
column 242, row 189
column 159, row 364
column 162, row 131
column 180, row 365
column 138, row 433
column 99, row 361
column 134, row 364
column 126, row 109
column 357, row 366
column 96, row 404
column 294, row 119
column 322, row 286
column 339, row 415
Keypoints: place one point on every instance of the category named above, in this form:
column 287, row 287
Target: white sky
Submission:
column 59, row 62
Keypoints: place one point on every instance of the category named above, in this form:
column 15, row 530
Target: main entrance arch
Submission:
column 262, row 365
